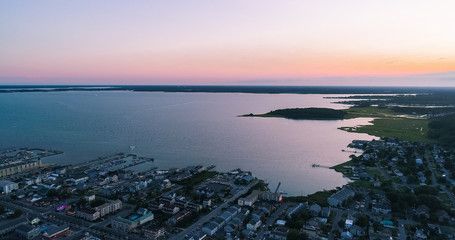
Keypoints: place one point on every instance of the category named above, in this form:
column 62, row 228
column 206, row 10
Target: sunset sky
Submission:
column 234, row 42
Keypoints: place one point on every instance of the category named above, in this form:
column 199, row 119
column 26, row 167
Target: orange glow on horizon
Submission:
column 234, row 67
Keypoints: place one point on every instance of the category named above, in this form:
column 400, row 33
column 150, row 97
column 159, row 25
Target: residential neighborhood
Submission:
column 398, row 190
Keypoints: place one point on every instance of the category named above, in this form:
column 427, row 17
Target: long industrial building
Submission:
column 23, row 166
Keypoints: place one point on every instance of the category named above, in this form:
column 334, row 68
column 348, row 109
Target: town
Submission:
column 398, row 190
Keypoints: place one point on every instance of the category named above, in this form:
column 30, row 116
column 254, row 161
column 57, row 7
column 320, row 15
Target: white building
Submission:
column 109, row 207
column 128, row 224
column 8, row 186
column 250, row 199
column 89, row 198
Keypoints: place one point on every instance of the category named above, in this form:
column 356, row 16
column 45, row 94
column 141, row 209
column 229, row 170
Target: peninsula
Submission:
column 304, row 113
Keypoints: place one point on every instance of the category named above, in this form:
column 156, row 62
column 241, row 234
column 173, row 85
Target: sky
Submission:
column 235, row 42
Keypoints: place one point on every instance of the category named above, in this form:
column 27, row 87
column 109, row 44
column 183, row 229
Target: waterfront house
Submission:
column 315, row 209
column 337, row 198
column 250, row 199
column 296, row 209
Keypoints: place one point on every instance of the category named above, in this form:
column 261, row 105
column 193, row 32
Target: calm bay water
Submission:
column 181, row 129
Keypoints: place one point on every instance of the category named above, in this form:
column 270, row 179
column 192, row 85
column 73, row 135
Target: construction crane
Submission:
column 279, row 184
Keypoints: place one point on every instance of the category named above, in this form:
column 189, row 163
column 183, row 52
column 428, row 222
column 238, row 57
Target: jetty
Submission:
column 319, row 166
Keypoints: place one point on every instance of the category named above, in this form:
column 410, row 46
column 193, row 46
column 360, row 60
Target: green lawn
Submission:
column 198, row 178
column 319, row 197
column 356, row 112
column 341, row 167
column 375, row 172
column 401, row 128
column 362, row 183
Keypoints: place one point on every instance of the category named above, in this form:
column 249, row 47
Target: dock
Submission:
column 320, row 166
column 115, row 162
column 348, row 151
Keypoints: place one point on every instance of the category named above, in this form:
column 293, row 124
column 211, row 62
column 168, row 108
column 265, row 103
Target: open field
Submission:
column 401, row 128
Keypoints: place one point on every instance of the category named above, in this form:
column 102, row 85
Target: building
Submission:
column 170, row 209
column 11, row 225
column 27, row 231
column 154, row 232
column 337, row 198
column 197, row 236
column 423, row 210
column 89, row 198
column 250, row 199
column 56, row 232
column 279, row 233
column 88, row 214
column 419, row 161
column 179, row 216
column 35, row 221
column 325, row 212
column 420, row 235
column 109, row 207
column 8, row 186
column 382, row 207
column 270, row 196
column 253, row 224
column 210, row 228
column 296, row 209
column 131, row 222
column 219, row 221
column 23, row 166
column 142, row 211
column 315, row 209
column 348, row 223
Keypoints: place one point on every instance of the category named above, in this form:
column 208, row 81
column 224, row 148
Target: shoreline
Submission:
column 227, row 89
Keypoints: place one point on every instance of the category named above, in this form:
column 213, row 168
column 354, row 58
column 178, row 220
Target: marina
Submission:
column 119, row 161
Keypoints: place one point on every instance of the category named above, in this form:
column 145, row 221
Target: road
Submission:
column 213, row 213
column 77, row 225
column 273, row 218
column 430, row 159
column 384, row 173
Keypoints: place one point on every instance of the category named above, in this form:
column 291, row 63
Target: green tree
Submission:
column 341, row 224
column 294, row 234
column 52, row 193
column 362, row 221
